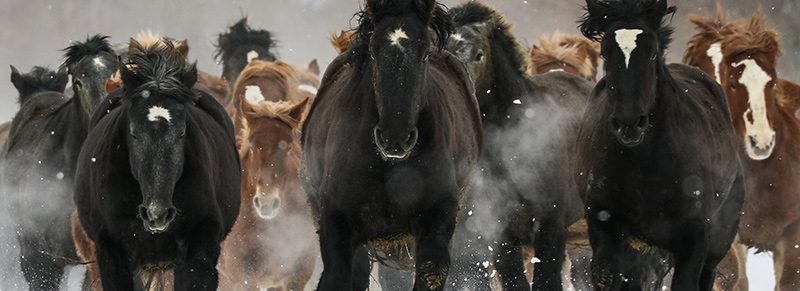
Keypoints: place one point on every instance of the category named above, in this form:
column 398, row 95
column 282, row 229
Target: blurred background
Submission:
column 33, row 32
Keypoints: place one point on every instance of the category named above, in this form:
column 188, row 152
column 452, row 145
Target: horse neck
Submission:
column 508, row 83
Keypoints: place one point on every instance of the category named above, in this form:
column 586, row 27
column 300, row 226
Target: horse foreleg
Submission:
column 433, row 253
column 115, row 272
column 42, row 271
column 337, row 250
column 787, row 260
column 200, row 270
column 691, row 255
column 607, row 251
column 550, row 242
column 509, row 265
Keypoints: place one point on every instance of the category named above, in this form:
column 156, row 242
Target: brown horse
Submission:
column 260, row 251
column 570, row 53
column 763, row 108
column 342, row 41
column 309, row 80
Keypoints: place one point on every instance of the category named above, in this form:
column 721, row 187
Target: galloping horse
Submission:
column 273, row 244
column 570, row 53
column 527, row 197
column 390, row 145
column 657, row 156
column 36, row 81
column 764, row 109
column 157, row 184
column 263, row 80
column 39, row 162
column 240, row 45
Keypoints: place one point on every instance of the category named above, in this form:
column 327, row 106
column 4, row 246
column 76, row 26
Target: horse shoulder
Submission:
column 210, row 105
column 37, row 107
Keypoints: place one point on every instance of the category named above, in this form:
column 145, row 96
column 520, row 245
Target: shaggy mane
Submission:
column 342, row 41
column 753, row 38
column 159, row 68
column 475, row 13
column 93, row 45
column 433, row 13
column 710, row 31
column 563, row 48
column 240, row 34
column 613, row 11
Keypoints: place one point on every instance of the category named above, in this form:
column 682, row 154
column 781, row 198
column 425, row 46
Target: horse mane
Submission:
column 593, row 26
column 753, row 37
column 563, row 48
column 159, row 68
column 431, row 12
column 93, row 45
column 479, row 14
column 241, row 34
column 342, row 41
column 148, row 39
column 709, row 31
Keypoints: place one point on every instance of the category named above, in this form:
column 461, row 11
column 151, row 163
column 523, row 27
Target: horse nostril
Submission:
column 379, row 136
column 412, row 138
column 171, row 213
column 257, row 202
column 642, row 121
column 276, row 203
column 615, row 123
column 753, row 142
column 143, row 213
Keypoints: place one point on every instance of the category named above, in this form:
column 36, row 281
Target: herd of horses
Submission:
column 435, row 147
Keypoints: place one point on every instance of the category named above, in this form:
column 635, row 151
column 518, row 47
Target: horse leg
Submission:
column 731, row 270
column 111, row 260
column 550, row 242
column 510, row 267
column 393, row 279
column 690, row 256
column 787, row 260
column 200, row 270
column 723, row 239
column 467, row 270
column 607, row 251
column 41, row 271
column 361, row 268
column 337, row 250
column 433, row 241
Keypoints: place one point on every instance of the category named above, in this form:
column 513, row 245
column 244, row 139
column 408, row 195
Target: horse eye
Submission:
column 372, row 55
column 77, row 83
column 733, row 86
column 653, row 57
column 479, row 57
column 425, row 58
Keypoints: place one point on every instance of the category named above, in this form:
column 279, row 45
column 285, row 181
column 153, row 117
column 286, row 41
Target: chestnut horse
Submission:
column 570, row 53
column 764, row 110
column 273, row 244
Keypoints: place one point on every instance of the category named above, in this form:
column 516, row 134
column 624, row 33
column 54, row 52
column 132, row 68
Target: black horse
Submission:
column 38, row 80
column 39, row 162
column 240, row 45
column 157, row 182
column 390, row 145
column 657, row 155
column 525, row 194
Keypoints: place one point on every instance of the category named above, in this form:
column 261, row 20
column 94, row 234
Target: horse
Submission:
column 273, row 244
column 38, row 80
column 764, row 109
column 170, row 157
column 240, row 45
column 264, row 80
column 342, row 41
column 570, row 53
column 390, row 146
column 309, row 80
column 518, row 203
column 657, row 157
column 40, row 157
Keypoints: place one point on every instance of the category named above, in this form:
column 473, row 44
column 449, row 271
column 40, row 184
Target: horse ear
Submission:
column 183, row 48
column 594, row 7
column 189, row 77
column 112, row 84
column 127, row 76
column 298, row 110
column 63, row 78
column 657, row 12
column 17, row 79
column 313, row 67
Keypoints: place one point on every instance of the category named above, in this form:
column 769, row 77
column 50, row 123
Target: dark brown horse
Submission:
column 390, row 145
column 240, row 45
column 764, row 110
column 40, row 157
column 570, row 53
column 658, row 157
column 273, row 244
column 157, row 185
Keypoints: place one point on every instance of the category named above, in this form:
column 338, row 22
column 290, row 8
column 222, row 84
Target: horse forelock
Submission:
column 92, row 46
column 160, row 69
column 239, row 35
column 45, row 79
column 276, row 110
column 432, row 13
column 710, row 31
column 283, row 74
column 594, row 25
column 753, row 38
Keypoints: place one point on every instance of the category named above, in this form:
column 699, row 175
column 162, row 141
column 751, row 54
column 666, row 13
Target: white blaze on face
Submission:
column 396, row 36
column 715, row 53
column 308, row 88
column 626, row 39
column 253, row 94
column 251, row 55
column 158, row 112
column 457, row 37
column 99, row 62
column 755, row 79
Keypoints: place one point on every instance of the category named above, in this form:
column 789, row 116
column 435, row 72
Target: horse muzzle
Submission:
column 630, row 132
column 267, row 205
column 395, row 149
column 756, row 151
column 157, row 218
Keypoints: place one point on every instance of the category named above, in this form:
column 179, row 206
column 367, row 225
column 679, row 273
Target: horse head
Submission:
column 632, row 42
column 158, row 82
column 239, row 46
column 751, row 84
column 705, row 48
column 90, row 63
column 270, row 155
column 399, row 44
column 39, row 79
